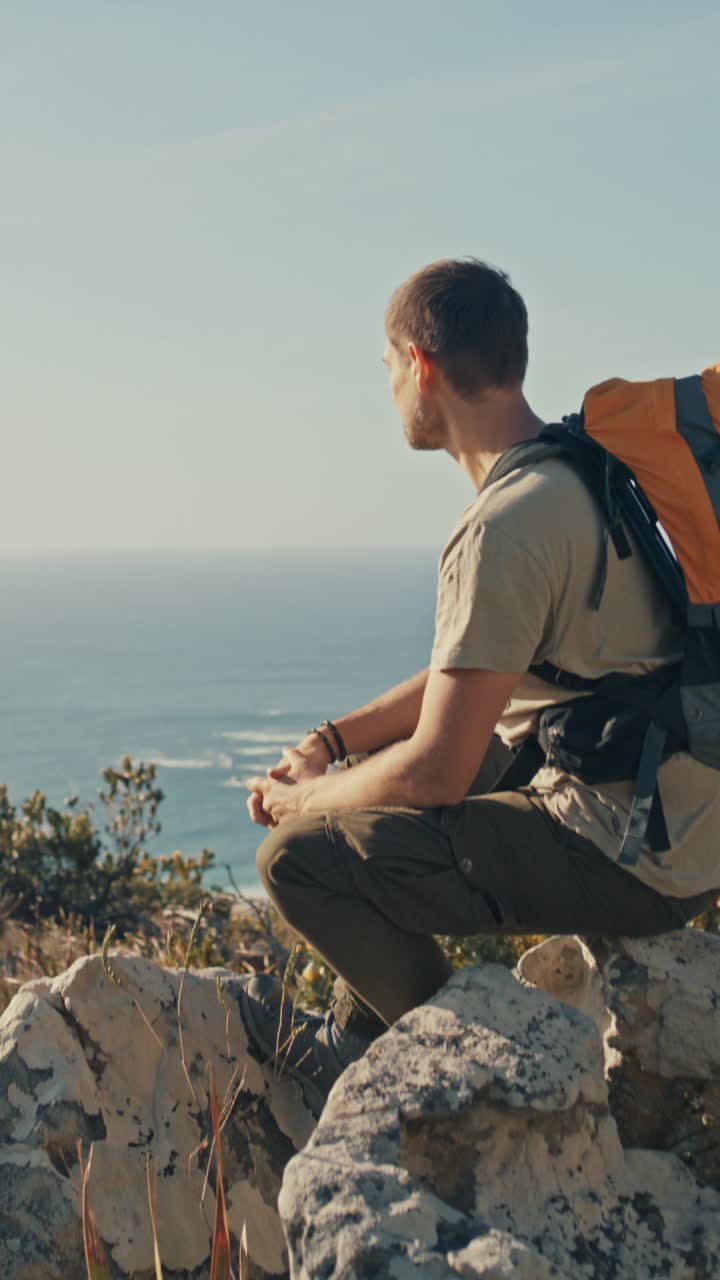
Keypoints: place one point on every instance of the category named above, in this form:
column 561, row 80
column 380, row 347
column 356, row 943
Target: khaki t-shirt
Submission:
column 514, row 588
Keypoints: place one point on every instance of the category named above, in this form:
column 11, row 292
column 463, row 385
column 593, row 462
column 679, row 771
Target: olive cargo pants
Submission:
column 367, row 888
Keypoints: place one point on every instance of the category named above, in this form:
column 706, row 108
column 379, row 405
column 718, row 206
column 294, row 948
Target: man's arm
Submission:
column 389, row 718
column 434, row 766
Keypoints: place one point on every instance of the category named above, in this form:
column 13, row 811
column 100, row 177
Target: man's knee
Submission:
column 286, row 853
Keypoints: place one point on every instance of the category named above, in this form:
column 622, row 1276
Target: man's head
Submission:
column 455, row 330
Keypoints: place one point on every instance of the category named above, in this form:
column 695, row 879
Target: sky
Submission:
column 205, row 206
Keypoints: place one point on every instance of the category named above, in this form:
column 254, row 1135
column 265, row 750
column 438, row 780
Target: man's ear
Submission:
column 422, row 367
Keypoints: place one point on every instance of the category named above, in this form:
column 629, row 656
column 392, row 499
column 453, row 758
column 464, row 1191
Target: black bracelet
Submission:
column 328, row 744
column 342, row 752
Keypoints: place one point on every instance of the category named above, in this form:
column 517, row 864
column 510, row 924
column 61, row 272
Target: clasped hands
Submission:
column 284, row 790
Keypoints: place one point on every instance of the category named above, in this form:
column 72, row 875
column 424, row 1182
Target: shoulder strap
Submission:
column 538, row 449
column 618, row 497
column 551, row 674
column 595, row 467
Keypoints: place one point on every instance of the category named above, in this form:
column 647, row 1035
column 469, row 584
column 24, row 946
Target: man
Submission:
column 367, row 863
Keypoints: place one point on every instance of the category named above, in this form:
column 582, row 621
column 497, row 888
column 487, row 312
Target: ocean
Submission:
column 205, row 663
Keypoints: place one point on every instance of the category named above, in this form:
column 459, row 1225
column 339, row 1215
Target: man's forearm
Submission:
column 395, row 776
column 389, row 718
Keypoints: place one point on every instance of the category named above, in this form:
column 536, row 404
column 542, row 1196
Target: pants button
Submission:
column 466, row 865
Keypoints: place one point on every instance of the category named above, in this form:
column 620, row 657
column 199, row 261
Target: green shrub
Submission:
column 64, row 883
column 56, row 863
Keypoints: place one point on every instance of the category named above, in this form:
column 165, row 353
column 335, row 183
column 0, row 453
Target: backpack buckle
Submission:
column 704, row 615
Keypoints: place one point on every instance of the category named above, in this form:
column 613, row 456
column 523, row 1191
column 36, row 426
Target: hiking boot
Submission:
column 311, row 1048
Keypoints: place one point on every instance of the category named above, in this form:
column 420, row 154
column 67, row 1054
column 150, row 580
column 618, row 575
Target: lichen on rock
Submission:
column 475, row 1138
column 554, row 1124
column 656, row 1002
column 83, row 1057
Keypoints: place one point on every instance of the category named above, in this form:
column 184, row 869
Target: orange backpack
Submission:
column 649, row 453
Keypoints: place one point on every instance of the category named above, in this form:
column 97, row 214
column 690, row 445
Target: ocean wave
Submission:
column 280, row 736
column 172, row 762
column 259, row 750
column 238, row 782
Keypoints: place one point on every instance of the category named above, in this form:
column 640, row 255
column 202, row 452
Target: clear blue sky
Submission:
column 206, row 204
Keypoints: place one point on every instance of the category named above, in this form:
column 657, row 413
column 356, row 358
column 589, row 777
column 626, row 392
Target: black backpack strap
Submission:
column 618, row 497
column 538, row 449
column 551, row 674
column 598, row 470
column 646, row 796
column 657, row 833
column 694, row 421
column 525, row 763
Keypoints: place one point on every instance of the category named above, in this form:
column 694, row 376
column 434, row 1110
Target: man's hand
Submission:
column 433, row 768
column 298, row 764
column 308, row 760
column 278, row 797
column 256, row 811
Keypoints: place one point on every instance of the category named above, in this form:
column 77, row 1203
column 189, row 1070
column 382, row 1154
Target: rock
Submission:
column 475, row 1139
column 84, row 1058
column 656, row 1002
column 566, row 968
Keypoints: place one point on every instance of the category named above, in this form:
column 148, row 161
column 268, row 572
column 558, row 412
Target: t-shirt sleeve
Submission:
column 494, row 604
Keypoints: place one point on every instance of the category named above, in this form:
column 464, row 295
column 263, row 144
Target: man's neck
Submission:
column 479, row 434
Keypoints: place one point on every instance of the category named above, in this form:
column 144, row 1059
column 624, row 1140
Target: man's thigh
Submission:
column 543, row 878
column 492, row 864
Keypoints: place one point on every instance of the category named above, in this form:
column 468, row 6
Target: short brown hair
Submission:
column 467, row 317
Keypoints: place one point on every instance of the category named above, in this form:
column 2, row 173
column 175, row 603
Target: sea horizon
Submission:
column 204, row 661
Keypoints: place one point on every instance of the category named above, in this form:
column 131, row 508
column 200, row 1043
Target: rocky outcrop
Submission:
column 656, row 1002
column 115, row 1065
column 475, row 1138
column 558, row 1123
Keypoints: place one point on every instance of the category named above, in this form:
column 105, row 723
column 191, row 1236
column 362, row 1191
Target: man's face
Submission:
column 421, row 417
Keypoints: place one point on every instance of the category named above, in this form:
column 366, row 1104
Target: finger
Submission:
column 256, row 810
column 257, row 784
column 255, row 807
column 257, row 813
column 280, row 770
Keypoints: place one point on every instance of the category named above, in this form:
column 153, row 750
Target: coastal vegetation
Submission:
column 70, row 875
column 75, row 881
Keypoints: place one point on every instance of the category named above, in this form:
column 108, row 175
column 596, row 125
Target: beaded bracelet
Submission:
column 342, row 751
column 328, row 744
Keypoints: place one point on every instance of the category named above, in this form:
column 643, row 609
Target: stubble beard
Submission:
column 425, row 429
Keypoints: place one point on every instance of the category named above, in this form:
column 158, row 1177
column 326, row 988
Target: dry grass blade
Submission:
column 153, row 1224
column 115, row 978
column 288, row 1042
column 105, row 955
column 204, row 906
column 220, row 1268
column 243, row 1253
column 232, row 1094
column 95, row 1260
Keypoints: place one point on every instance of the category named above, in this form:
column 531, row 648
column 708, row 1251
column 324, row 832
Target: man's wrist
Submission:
column 314, row 750
column 307, row 787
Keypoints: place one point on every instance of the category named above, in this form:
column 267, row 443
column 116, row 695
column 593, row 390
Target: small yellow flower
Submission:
column 311, row 973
